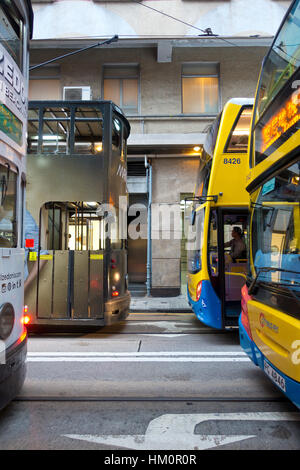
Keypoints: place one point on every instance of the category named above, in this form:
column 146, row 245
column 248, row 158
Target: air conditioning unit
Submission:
column 77, row 93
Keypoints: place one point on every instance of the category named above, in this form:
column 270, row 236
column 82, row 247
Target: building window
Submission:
column 200, row 88
column 44, row 83
column 121, row 85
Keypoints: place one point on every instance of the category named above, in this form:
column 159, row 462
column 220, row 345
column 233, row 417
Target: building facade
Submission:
column 174, row 66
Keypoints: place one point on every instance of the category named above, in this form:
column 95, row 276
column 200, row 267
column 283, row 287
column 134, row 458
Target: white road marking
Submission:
column 168, row 326
column 176, row 432
column 137, row 359
column 162, row 335
column 139, row 354
column 162, row 356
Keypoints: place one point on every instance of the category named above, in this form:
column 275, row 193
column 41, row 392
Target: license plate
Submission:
column 274, row 376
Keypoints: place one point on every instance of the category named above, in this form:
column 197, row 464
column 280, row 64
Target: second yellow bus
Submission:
column 217, row 245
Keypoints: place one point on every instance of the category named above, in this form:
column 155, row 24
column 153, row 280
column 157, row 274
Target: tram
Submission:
column 15, row 31
column 270, row 320
column 217, row 247
column 76, row 214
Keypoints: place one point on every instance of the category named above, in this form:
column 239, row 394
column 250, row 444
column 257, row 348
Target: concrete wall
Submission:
column 71, row 18
column 160, row 84
column 171, row 177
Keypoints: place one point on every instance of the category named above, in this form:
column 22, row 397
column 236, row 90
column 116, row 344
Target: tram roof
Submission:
column 88, row 103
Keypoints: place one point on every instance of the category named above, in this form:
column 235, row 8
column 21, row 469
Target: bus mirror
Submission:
column 193, row 217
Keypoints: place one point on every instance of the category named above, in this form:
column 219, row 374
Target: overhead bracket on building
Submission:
column 164, row 51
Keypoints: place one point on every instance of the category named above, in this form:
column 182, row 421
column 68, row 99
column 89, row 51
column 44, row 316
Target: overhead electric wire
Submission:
column 211, row 35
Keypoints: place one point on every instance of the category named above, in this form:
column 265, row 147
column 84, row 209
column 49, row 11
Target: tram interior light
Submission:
column 98, row 146
column 48, row 137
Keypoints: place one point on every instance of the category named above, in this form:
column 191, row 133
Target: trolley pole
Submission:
column 108, row 41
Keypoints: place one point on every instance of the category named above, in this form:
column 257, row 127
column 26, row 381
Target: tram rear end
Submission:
column 77, row 215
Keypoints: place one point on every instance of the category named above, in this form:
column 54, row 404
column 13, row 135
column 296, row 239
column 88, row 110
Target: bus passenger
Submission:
column 237, row 245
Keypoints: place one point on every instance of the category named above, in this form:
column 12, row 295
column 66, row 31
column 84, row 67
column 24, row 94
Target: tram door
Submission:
column 70, row 277
column 234, row 243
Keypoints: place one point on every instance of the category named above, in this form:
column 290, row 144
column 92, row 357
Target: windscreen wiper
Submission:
column 267, row 269
column 288, row 287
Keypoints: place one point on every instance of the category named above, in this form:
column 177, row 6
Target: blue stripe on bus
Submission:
column 292, row 386
column 208, row 308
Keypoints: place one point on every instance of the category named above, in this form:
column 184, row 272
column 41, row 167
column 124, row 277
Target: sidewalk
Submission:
column 160, row 304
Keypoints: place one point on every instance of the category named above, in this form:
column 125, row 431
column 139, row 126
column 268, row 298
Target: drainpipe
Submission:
column 149, row 243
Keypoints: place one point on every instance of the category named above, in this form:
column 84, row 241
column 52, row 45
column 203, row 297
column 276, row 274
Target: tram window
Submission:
column 116, row 133
column 33, row 130
column 88, row 131
column 56, row 130
column 8, row 198
column 11, row 28
column 72, row 226
column 238, row 139
column 54, row 228
column 116, row 242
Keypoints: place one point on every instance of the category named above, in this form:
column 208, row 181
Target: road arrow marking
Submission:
column 147, row 442
column 176, row 432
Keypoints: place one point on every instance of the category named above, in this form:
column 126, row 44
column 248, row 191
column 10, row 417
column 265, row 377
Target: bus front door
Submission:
column 233, row 241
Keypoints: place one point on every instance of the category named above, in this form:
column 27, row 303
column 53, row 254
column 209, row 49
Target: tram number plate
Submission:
column 274, row 376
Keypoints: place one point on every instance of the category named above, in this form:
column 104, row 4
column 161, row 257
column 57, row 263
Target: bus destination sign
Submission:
column 284, row 119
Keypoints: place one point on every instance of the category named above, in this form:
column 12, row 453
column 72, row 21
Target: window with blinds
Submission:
column 200, row 88
column 44, row 83
column 121, row 85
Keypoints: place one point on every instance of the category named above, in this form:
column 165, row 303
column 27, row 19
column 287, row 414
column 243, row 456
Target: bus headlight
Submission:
column 7, row 319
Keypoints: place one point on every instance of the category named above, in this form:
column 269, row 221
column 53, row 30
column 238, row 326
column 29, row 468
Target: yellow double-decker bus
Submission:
column 270, row 318
column 217, row 242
